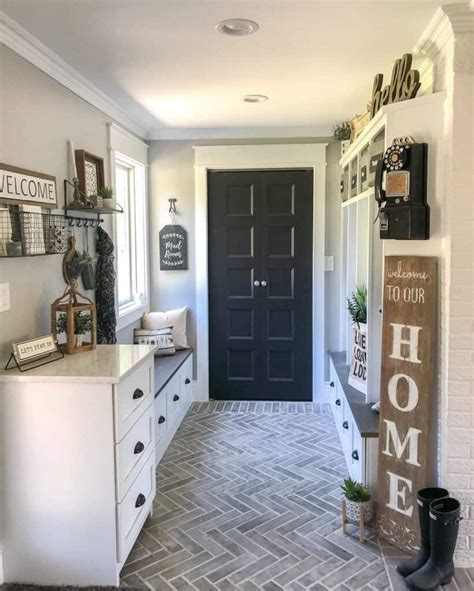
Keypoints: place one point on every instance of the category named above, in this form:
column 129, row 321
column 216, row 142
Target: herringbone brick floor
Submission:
column 248, row 498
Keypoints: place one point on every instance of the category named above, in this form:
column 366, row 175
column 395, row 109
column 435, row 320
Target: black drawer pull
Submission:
column 345, row 424
column 338, row 402
column 187, row 381
column 161, row 420
column 175, row 398
column 140, row 500
column 355, row 455
column 139, row 448
column 137, row 394
column 331, row 384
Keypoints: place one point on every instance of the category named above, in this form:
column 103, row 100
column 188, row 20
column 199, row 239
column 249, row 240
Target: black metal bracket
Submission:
column 27, row 365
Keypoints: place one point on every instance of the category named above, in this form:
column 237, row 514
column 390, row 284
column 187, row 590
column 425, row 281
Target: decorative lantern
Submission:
column 76, row 318
column 74, row 313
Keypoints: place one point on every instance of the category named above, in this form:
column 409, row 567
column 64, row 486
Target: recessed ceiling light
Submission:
column 255, row 98
column 238, row 27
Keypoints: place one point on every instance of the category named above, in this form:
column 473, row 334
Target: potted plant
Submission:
column 357, row 308
column 358, row 500
column 357, row 305
column 105, row 197
column 82, row 325
column 342, row 133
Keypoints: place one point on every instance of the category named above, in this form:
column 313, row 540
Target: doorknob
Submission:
column 256, row 283
column 263, row 284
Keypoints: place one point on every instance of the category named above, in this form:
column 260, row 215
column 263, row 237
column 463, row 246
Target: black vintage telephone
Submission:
column 403, row 209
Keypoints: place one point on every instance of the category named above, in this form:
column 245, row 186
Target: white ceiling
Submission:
column 163, row 62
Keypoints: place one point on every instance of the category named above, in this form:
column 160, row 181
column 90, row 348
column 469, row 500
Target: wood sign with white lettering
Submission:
column 173, row 248
column 404, row 85
column 19, row 186
column 408, row 395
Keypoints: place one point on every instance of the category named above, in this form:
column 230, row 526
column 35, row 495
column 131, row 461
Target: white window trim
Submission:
column 132, row 312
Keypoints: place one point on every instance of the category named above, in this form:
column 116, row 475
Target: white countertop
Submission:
column 107, row 364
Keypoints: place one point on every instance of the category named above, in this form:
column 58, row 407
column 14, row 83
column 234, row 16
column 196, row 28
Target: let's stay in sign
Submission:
column 408, row 394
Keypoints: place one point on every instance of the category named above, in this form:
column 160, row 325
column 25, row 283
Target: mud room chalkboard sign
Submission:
column 173, row 248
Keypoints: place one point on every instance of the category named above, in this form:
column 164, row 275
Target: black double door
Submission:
column 260, row 285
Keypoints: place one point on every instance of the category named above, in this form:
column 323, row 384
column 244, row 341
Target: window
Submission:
column 131, row 235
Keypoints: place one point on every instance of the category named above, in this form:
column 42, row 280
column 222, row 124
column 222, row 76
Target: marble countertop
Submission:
column 107, row 364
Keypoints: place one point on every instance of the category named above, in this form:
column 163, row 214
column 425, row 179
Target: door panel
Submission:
column 260, row 335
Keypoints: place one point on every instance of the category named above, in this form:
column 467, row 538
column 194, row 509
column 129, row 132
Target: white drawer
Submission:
column 161, row 421
column 186, row 378
column 133, row 510
column 347, row 427
column 332, row 376
column 132, row 396
column 338, row 406
column 131, row 453
column 174, row 400
column 357, row 456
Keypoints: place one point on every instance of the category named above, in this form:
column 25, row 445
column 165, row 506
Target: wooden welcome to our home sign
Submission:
column 19, row 186
column 173, row 248
column 408, row 395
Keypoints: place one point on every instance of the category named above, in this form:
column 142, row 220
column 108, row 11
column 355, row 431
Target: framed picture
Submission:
column 90, row 172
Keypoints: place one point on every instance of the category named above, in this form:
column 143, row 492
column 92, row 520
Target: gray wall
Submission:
column 172, row 175
column 37, row 116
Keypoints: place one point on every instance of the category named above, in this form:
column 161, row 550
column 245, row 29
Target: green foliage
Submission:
column 342, row 131
column 106, row 192
column 355, row 491
column 87, row 257
column 82, row 323
column 357, row 304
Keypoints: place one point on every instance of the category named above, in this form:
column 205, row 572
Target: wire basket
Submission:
column 25, row 233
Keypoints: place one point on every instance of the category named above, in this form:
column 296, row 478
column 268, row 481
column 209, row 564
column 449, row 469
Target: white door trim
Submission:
column 257, row 157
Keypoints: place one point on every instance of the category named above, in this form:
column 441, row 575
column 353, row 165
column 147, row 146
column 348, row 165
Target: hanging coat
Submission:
column 105, row 289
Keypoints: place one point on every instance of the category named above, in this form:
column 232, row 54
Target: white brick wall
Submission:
column 458, row 472
column 449, row 41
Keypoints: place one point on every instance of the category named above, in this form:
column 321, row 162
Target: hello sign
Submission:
column 408, row 395
column 404, row 85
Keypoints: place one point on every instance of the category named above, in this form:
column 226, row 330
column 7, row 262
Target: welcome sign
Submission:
column 407, row 395
column 19, row 186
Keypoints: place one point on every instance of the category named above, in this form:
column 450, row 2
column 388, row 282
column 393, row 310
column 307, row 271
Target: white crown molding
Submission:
column 19, row 40
column 231, row 133
column 461, row 17
column 448, row 22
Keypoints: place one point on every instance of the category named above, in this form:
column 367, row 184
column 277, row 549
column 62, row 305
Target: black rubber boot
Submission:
column 425, row 498
column 445, row 516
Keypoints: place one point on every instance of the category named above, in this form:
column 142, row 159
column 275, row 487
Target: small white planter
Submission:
column 354, row 510
column 109, row 203
column 79, row 338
